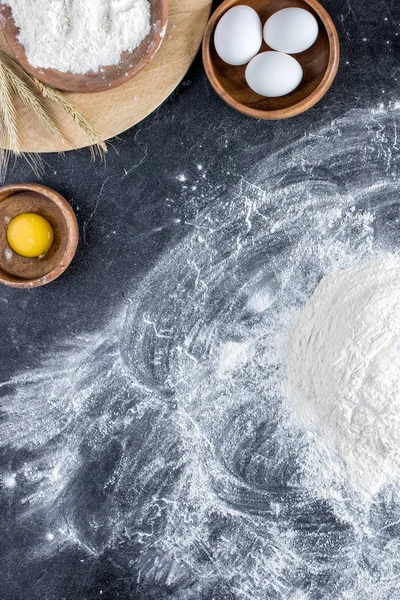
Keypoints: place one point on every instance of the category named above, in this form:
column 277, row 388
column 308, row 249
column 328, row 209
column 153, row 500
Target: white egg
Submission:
column 273, row 74
column 238, row 35
column 291, row 30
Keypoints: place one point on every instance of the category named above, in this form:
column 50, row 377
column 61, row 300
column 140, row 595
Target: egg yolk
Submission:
column 30, row 235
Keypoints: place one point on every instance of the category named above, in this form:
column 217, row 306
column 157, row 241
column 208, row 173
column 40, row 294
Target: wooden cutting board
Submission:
column 116, row 110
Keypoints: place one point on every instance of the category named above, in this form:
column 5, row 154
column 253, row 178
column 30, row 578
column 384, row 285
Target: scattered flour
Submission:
column 9, row 481
column 260, row 301
column 79, row 35
column 344, row 370
column 197, row 485
column 233, row 355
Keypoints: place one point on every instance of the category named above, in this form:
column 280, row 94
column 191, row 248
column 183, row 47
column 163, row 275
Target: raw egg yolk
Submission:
column 30, row 235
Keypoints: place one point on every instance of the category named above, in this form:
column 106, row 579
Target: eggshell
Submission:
column 291, row 30
column 273, row 74
column 238, row 35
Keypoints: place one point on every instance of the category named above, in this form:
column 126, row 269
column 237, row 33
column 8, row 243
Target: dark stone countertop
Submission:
column 139, row 214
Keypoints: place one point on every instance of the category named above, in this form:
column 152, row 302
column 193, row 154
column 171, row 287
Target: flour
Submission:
column 79, row 35
column 195, row 484
column 344, row 370
column 233, row 355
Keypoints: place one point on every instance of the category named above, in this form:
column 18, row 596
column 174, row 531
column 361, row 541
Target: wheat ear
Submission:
column 97, row 144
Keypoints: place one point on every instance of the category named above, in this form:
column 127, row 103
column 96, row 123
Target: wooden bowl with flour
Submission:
column 106, row 77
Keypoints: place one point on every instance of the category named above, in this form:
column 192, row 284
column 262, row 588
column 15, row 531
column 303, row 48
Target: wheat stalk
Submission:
column 97, row 144
column 21, row 88
column 15, row 86
column 8, row 112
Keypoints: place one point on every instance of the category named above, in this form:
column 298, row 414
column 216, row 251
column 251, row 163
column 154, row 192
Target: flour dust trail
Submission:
column 163, row 444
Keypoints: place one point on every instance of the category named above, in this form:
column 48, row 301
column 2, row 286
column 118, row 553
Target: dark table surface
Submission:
column 129, row 469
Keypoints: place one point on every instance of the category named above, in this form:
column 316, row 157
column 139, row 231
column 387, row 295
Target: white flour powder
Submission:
column 79, row 35
column 170, row 417
column 344, row 370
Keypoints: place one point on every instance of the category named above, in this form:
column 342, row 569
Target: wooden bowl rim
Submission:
column 282, row 113
column 72, row 236
column 59, row 80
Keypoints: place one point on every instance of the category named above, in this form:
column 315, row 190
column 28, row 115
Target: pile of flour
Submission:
column 344, row 370
column 79, row 35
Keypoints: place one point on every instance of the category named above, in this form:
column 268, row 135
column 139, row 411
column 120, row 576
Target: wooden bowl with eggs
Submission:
column 319, row 63
column 22, row 199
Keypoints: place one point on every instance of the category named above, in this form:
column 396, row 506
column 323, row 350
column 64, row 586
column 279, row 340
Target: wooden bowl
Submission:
column 18, row 271
column 320, row 64
column 108, row 77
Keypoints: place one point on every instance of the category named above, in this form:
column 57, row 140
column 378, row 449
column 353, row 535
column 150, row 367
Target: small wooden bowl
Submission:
column 107, row 77
column 320, row 64
column 18, row 271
